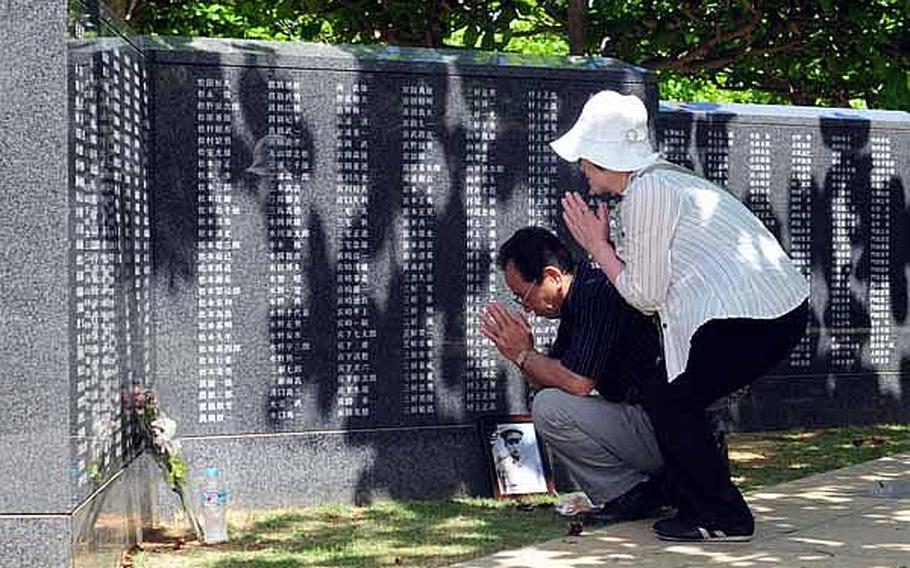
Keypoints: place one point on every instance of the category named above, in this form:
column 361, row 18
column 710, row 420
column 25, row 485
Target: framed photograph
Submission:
column 516, row 456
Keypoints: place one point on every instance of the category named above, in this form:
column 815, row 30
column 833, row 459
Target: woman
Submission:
column 729, row 302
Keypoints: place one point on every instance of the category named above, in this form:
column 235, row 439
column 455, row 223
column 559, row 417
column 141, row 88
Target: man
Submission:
column 602, row 344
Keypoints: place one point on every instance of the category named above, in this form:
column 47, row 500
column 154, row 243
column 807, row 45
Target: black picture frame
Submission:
column 516, row 457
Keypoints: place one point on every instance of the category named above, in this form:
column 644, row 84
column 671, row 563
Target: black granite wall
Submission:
column 110, row 263
column 829, row 183
column 293, row 242
column 108, row 277
column 325, row 223
column 324, row 228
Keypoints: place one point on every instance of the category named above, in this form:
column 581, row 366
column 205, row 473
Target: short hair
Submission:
column 531, row 249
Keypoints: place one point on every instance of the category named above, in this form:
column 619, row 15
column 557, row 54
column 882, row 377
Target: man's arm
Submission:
column 512, row 336
column 543, row 371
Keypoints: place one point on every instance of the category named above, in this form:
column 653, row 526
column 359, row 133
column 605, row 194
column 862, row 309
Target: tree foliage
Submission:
column 820, row 51
column 829, row 52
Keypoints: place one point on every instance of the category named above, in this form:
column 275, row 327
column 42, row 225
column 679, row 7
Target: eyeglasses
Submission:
column 520, row 300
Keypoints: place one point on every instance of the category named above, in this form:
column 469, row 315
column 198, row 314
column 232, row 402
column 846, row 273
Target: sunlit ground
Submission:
column 762, row 459
column 438, row 533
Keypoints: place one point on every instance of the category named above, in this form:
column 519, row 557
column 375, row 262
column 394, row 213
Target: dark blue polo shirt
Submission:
column 603, row 338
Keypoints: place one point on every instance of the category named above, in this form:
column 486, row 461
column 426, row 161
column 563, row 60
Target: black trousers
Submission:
column 725, row 355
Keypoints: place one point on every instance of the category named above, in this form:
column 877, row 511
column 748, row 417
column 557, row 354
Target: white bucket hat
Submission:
column 611, row 132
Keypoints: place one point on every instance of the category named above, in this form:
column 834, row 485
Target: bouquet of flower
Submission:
column 157, row 434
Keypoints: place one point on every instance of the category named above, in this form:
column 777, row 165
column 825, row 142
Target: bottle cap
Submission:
column 212, row 472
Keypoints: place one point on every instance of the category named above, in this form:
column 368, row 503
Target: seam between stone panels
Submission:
column 35, row 516
column 321, row 432
column 101, row 488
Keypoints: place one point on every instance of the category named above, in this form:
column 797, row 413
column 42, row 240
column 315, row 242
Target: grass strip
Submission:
column 430, row 534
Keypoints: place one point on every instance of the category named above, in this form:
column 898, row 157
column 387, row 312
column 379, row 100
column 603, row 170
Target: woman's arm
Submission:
column 592, row 231
column 650, row 216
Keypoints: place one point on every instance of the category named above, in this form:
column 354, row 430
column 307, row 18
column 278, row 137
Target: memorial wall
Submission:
column 291, row 243
column 829, row 184
column 110, row 265
column 325, row 223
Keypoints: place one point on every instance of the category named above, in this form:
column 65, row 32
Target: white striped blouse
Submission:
column 692, row 253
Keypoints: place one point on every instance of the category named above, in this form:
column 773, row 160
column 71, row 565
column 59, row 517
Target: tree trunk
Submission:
column 124, row 9
column 578, row 26
column 437, row 13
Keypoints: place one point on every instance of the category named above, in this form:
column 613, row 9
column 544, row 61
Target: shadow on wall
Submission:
column 109, row 305
column 857, row 259
column 325, row 275
column 324, row 271
column 406, row 212
column 308, row 254
column 479, row 136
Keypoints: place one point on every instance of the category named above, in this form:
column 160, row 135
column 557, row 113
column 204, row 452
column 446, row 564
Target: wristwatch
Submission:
column 523, row 357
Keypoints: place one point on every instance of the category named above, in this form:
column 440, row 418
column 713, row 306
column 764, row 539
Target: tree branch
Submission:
column 539, row 30
column 744, row 31
column 688, row 65
column 553, row 12
column 699, row 58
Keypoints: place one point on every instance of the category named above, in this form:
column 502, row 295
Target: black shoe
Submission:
column 678, row 529
column 642, row 501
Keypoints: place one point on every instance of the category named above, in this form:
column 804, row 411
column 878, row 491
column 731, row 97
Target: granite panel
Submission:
column 782, row 402
column 36, row 542
column 302, row 469
column 110, row 255
column 829, row 184
column 305, row 223
column 33, row 284
column 109, row 251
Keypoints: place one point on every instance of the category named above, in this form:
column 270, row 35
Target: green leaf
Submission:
column 896, row 92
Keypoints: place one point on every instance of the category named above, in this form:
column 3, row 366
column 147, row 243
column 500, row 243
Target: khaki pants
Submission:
column 607, row 447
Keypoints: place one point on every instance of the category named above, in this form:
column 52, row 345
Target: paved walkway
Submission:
column 858, row 517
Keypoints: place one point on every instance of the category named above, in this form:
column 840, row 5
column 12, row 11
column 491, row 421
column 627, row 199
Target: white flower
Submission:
column 164, row 428
column 171, row 447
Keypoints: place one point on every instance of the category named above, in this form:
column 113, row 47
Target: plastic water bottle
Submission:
column 214, row 507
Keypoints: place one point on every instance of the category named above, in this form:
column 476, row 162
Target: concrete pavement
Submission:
column 857, row 517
